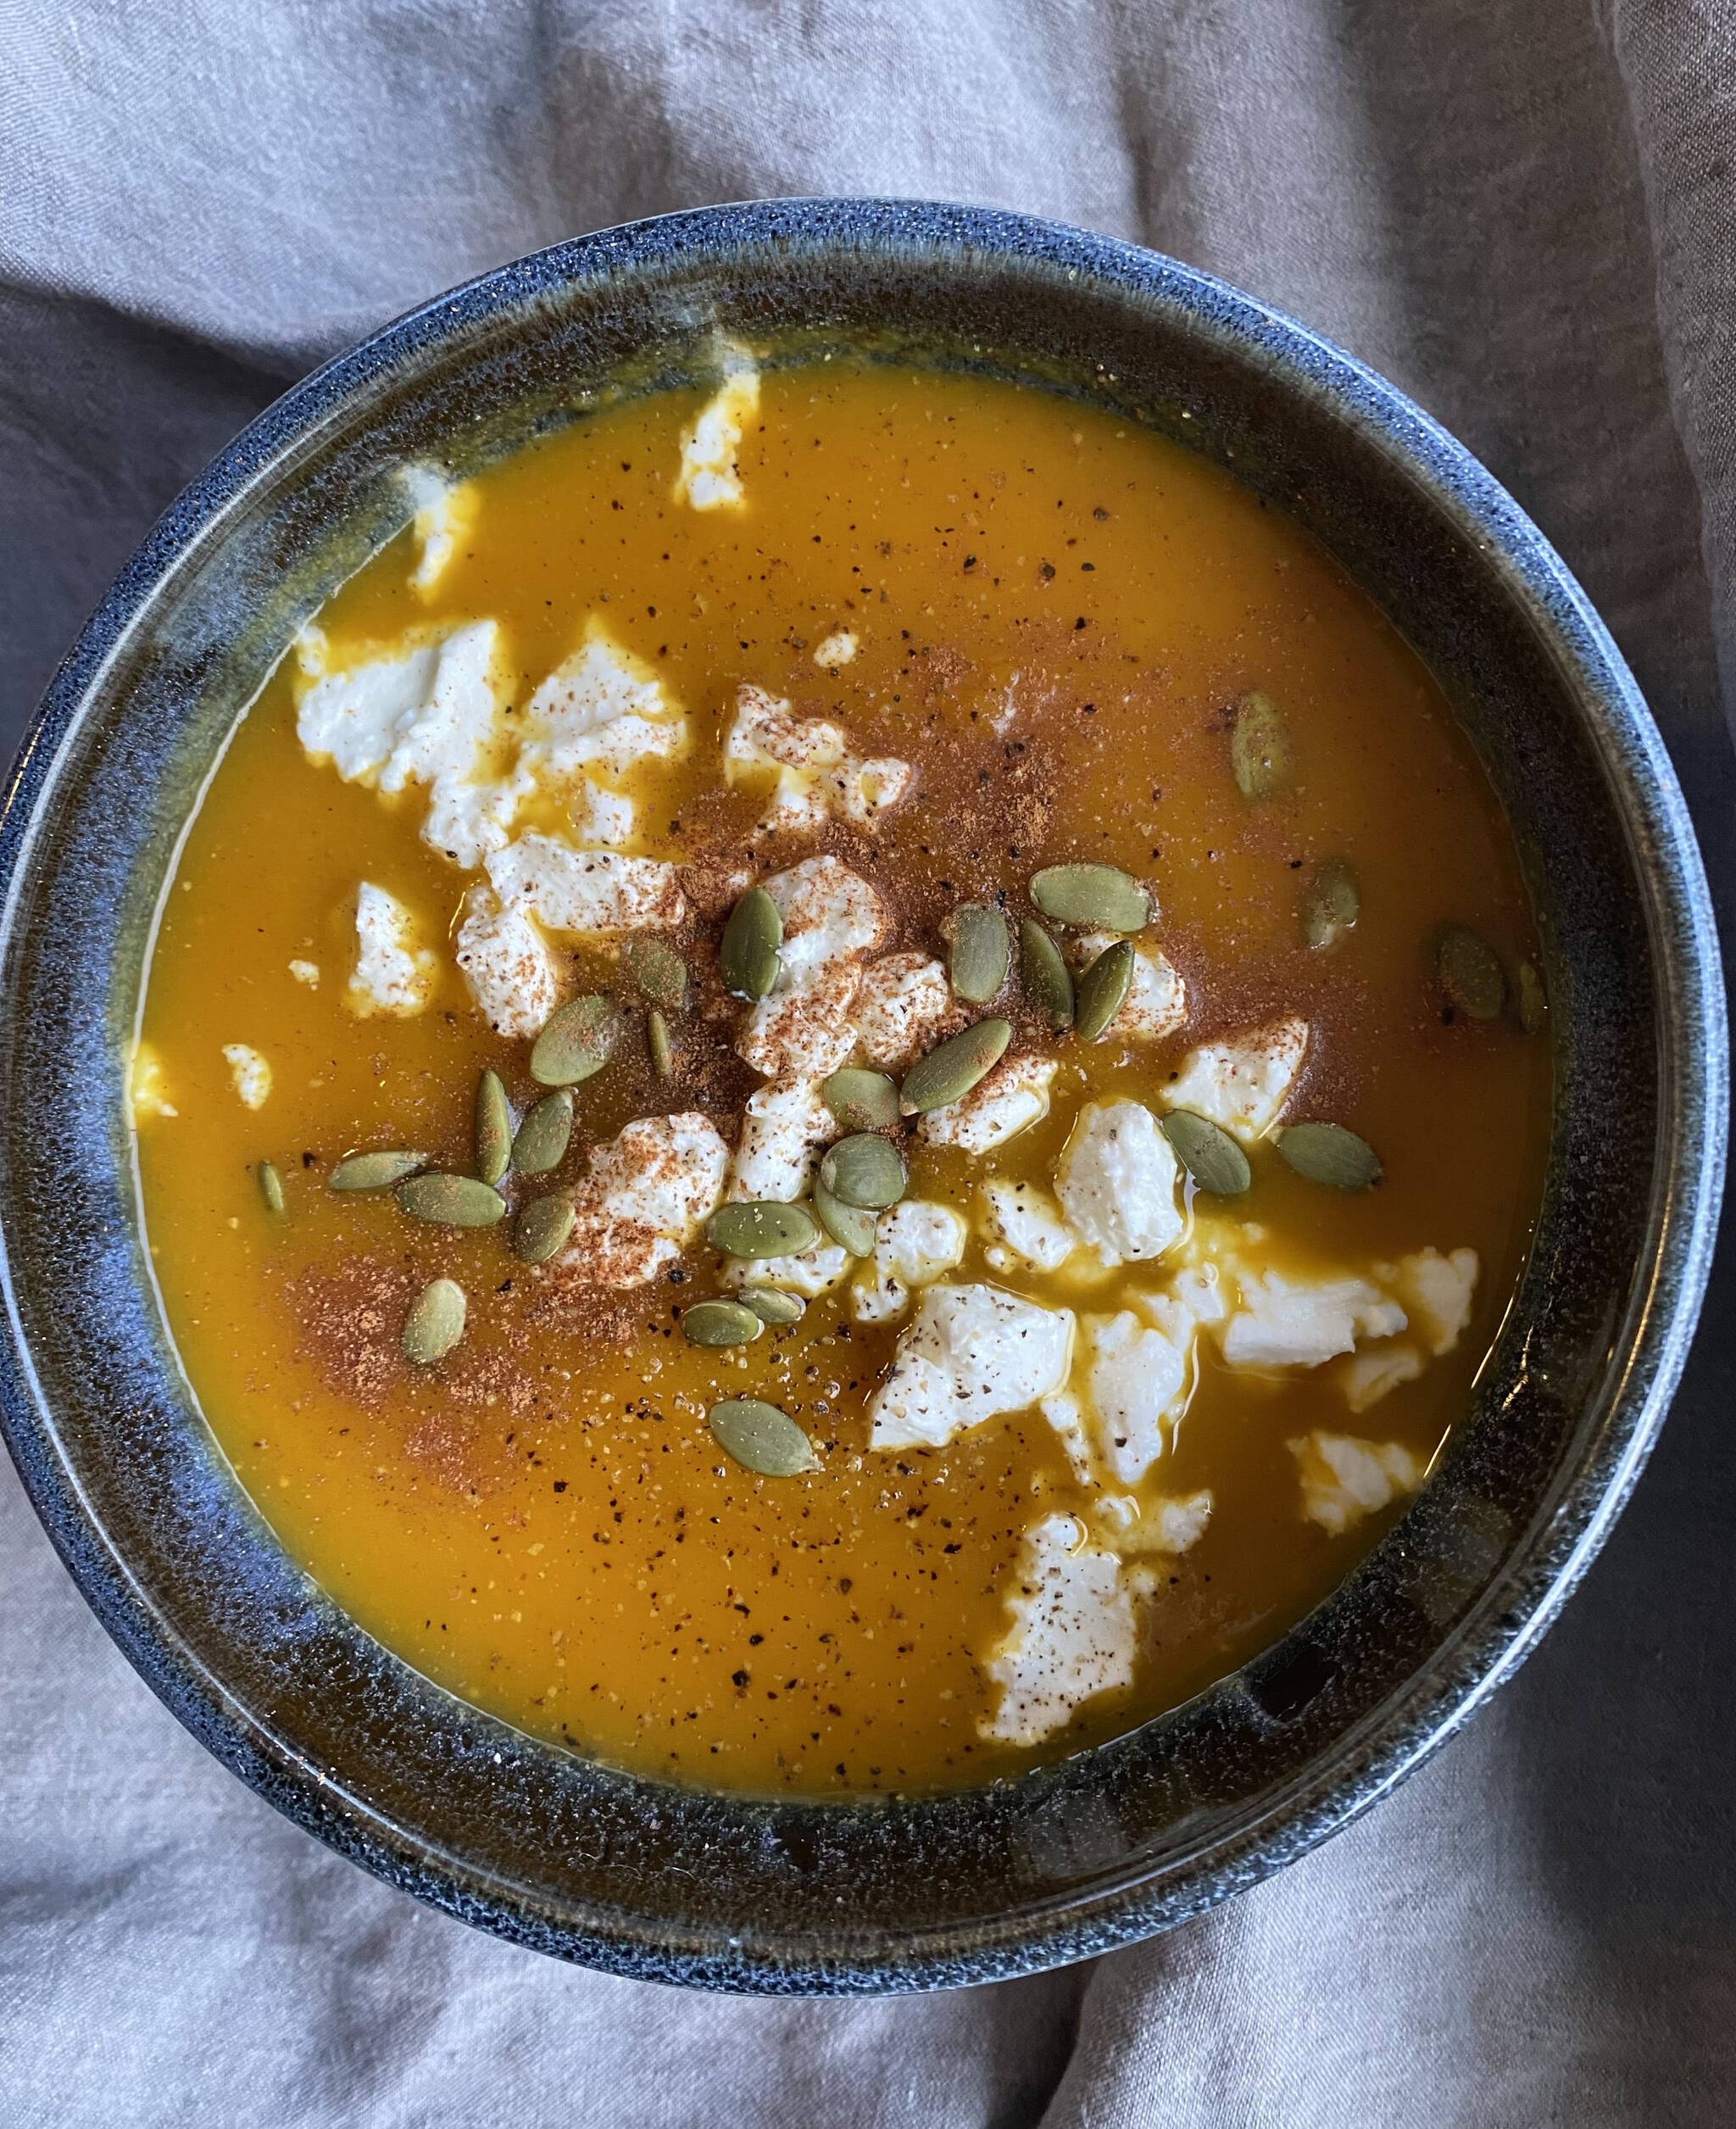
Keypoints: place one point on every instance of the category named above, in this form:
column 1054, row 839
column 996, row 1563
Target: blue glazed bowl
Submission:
column 680, row 1885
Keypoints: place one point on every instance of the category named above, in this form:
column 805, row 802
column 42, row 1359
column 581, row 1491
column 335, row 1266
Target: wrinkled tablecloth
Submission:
column 1521, row 213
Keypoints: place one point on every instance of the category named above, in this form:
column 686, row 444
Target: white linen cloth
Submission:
column 1525, row 215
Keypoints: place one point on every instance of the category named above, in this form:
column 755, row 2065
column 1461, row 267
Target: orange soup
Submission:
column 841, row 1083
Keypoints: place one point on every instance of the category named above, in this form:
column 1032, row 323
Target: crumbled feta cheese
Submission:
column 783, row 1127
column 836, row 649
column 353, row 719
column 1071, row 1637
column 148, row 1084
column 647, row 1192
column 914, row 1243
column 972, row 1352
column 598, row 892
column 812, row 1273
column 1117, row 1182
column 306, row 971
column 805, row 1032
column 251, row 1074
column 1435, row 1292
column 1170, row 1525
column 1345, row 1479
column 828, row 912
column 709, row 478
column 1026, row 1219
column 393, row 976
column 1156, row 1004
column 1285, row 1322
column 1138, row 1378
column 1062, row 1412
column 816, row 774
column 1244, row 1081
column 602, row 709
column 1005, row 1101
column 507, row 962
column 1367, row 1377
column 445, row 511
column 600, row 818
column 831, row 917
column 903, row 1008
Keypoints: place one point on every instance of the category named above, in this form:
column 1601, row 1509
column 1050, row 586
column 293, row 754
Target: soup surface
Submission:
column 1134, row 1368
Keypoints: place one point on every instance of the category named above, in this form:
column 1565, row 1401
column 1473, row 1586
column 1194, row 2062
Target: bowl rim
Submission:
column 1693, row 1063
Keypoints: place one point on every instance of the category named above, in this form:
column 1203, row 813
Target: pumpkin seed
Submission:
column 955, row 1068
column 1211, row 1156
column 1469, row 973
column 662, row 1049
column 763, row 1438
column 1103, row 990
column 270, row 1187
column 720, row 1323
column 493, row 1128
column 981, row 951
column 544, row 1134
column 1330, row 905
column 865, row 1170
column 747, row 957
column 451, row 1200
column 542, row 1227
column 762, row 1227
column 1533, row 1004
column 435, row 1323
column 1262, row 759
column 1327, row 1153
column 1094, row 898
column 659, row 971
column 576, row 1043
column 1048, row 983
column 861, row 1100
column 374, row 1171
column 771, row 1305
column 848, row 1225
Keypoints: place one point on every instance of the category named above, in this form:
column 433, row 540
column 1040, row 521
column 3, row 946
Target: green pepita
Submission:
column 747, row 957
column 861, row 1100
column 1469, row 973
column 849, row 1226
column 980, row 952
column 771, row 1305
column 659, row 971
column 270, row 1187
column 435, row 1323
column 720, row 1323
column 662, row 1049
column 763, row 1438
column 864, row 1170
column 1327, row 1153
column 544, row 1134
column 1262, row 758
column 576, row 1043
column 762, row 1227
column 1047, row 981
column 451, row 1200
column 950, row 1071
column 1331, row 905
column 1210, row 1156
column 493, row 1128
column 1103, row 990
column 542, row 1227
column 1534, row 1005
column 1094, row 898
column 374, row 1171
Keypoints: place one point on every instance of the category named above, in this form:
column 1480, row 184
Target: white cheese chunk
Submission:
column 816, row 775
column 1169, row 1525
column 508, row 964
column 782, row 1130
column 393, row 976
column 1117, row 1183
column 1285, row 1322
column 250, row 1073
column 1244, row 1081
column 994, row 1351
column 914, row 1243
column 306, row 971
column 1139, row 1378
column 831, row 917
column 836, row 649
column 903, row 1008
column 828, row 912
column 445, row 512
column 601, row 818
column 602, row 709
column 601, row 893
column 1071, row 1636
column 1005, row 1101
column 352, row 719
column 1367, row 1377
column 1062, row 1411
column 805, row 1031
column 148, row 1084
column 1024, row 1218
column 814, row 1272
column 643, row 1202
column 709, row 478
column 1435, row 1292
column 1345, row 1479
column 1156, row 1004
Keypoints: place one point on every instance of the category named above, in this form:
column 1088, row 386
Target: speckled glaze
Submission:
column 676, row 1885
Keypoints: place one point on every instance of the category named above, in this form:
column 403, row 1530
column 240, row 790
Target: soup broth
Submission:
column 1137, row 1367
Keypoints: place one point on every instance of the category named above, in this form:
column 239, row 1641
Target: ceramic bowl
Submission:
column 680, row 1885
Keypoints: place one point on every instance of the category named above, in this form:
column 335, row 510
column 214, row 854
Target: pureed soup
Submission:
column 841, row 1083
